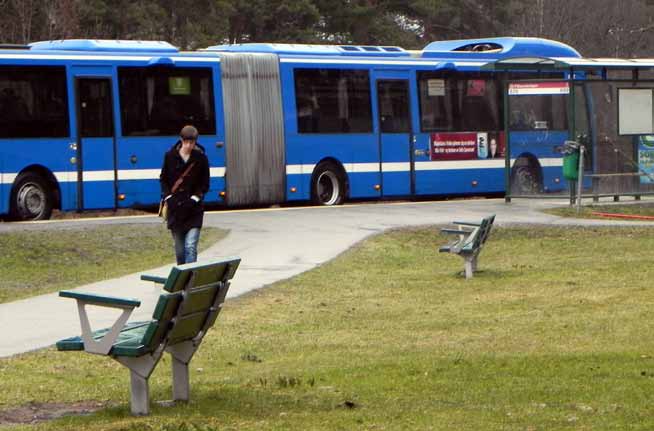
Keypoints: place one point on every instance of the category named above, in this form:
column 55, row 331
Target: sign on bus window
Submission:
column 179, row 85
column 436, row 87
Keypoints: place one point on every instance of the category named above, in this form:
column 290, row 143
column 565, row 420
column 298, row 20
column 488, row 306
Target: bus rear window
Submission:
column 33, row 102
column 158, row 101
column 459, row 103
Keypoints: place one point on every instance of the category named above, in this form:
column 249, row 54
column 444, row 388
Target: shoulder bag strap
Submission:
column 180, row 180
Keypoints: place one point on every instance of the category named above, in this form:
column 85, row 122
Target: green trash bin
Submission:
column 571, row 166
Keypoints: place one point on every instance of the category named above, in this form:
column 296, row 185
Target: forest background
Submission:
column 596, row 28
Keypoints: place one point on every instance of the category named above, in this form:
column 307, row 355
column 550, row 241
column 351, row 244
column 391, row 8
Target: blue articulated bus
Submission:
column 85, row 123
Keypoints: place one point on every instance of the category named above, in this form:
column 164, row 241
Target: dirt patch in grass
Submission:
column 39, row 412
column 591, row 211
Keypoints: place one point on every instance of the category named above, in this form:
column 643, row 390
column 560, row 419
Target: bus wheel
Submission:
column 31, row 198
column 328, row 185
column 524, row 180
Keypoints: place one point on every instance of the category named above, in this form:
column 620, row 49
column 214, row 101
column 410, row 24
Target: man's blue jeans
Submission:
column 186, row 245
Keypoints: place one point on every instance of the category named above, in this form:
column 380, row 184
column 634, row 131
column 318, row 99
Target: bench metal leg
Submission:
column 181, row 354
column 469, row 265
column 140, row 370
column 139, row 394
column 181, row 384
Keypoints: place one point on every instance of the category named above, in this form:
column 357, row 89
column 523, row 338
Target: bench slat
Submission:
column 187, row 327
column 197, row 300
column 133, row 331
column 166, row 309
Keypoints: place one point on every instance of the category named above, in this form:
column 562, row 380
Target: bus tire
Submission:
column 328, row 185
column 31, row 198
column 525, row 179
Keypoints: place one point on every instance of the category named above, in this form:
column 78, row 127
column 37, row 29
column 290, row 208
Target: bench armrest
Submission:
column 456, row 231
column 94, row 299
column 466, row 223
column 103, row 345
column 154, row 278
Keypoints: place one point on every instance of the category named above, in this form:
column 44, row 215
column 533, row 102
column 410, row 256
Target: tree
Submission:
column 603, row 28
column 368, row 22
column 273, row 21
column 461, row 19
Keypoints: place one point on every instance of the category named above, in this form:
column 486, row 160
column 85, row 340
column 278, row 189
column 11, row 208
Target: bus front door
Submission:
column 395, row 132
column 96, row 156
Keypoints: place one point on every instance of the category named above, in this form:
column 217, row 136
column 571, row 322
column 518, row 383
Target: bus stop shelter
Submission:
column 594, row 127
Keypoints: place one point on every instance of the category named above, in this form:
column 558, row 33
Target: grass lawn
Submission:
column 638, row 209
column 34, row 262
column 552, row 333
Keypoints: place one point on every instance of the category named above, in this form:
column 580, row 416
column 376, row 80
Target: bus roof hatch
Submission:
column 124, row 46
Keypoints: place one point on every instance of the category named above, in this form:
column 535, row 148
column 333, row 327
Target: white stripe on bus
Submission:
column 446, row 165
column 105, row 57
column 357, row 168
column 302, row 169
column 396, row 167
column 351, row 61
column 403, row 62
column 299, row 169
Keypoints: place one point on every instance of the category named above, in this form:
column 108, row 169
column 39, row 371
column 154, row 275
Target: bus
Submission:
column 85, row 123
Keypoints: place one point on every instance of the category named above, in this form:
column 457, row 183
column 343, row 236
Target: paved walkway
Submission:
column 274, row 244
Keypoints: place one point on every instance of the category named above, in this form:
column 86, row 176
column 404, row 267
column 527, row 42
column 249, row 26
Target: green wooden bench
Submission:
column 192, row 298
column 470, row 239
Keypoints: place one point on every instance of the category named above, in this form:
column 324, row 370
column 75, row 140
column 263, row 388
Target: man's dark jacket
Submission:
column 183, row 212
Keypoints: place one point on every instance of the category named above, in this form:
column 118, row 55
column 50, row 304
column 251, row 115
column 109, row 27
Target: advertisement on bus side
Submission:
column 467, row 145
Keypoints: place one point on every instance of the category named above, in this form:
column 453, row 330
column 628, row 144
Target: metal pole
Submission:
column 580, row 177
column 507, row 140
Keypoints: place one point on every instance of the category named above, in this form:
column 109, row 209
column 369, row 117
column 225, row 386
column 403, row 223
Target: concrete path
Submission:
column 274, row 244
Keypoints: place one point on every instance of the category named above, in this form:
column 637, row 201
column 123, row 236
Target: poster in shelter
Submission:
column 646, row 158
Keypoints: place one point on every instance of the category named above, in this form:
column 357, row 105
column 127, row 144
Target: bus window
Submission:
column 459, row 103
column 33, row 102
column 158, row 101
column 96, row 117
column 394, row 106
column 333, row 101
